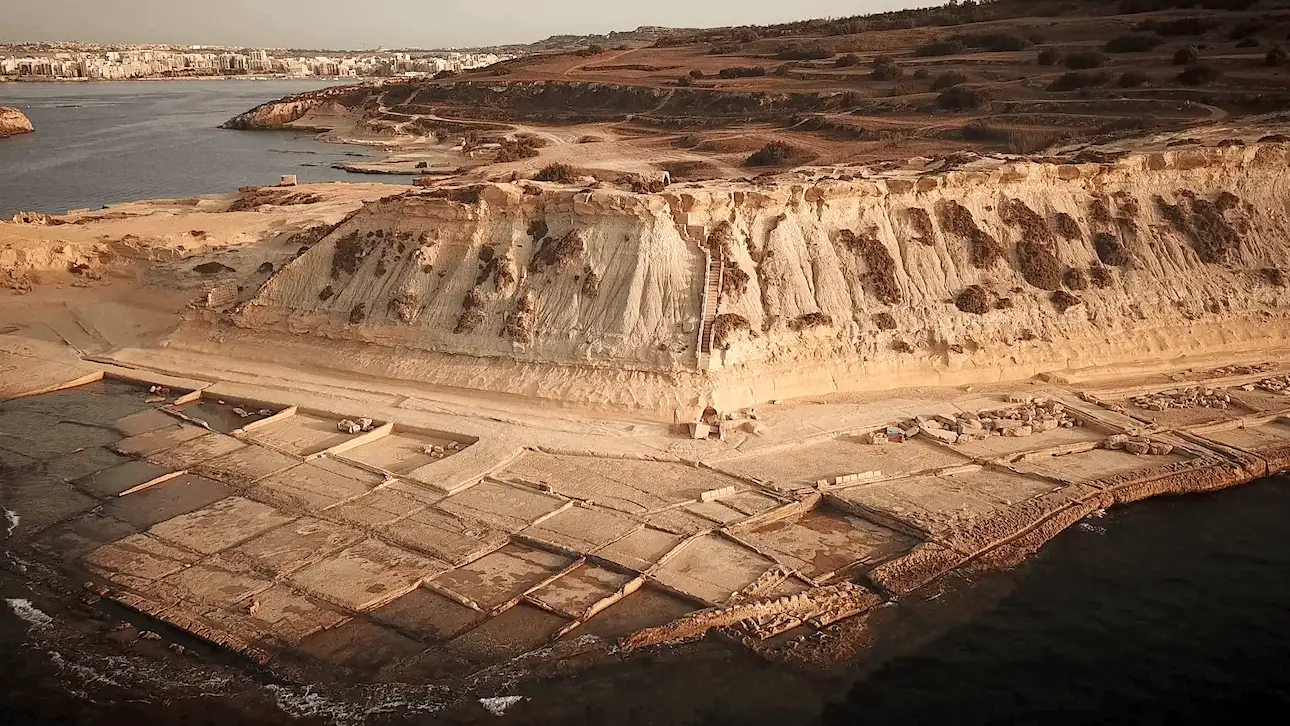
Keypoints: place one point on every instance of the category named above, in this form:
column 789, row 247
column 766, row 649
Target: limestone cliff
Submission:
column 13, row 122
column 285, row 111
column 735, row 293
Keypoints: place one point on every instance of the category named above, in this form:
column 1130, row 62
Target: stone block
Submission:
column 942, row 435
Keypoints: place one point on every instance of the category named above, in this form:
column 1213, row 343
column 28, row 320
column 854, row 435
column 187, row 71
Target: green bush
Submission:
column 742, row 72
column 1198, row 75
column 1131, row 79
column 1076, row 80
column 1134, row 43
column 885, row 69
column 948, row 80
column 773, row 154
column 944, row 47
column 803, row 52
column 995, row 42
column 1186, row 26
column 1049, row 57
column 1084, row 59
column 1186, row 55
column 960, row 98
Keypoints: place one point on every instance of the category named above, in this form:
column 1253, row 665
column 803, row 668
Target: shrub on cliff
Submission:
column 1064, row 301
column 1134, row 43
column 949, row 80
column 773, row 154
column 1185, row 26
column 984, row 250
column 945, row 47
column 1186, row 55
column 1075, row 278
column 562, row 173
column 1075, row 80
column 724, row 328
column 741, row 72
column 1110, row 250
column 799, row 51
column 960, row 98
column 810, row 320
column 974, row 299
column 1246, row 28
column 993, row 42
column 1049, row 57
column 846, row 61
column 1037, row 249
column 518, row 149
column 1132, row 79
column 1278, row 56
column 885, row 69
column 1067, row 227
column 1198, row 75
column 1084, row 60
column 878, row 262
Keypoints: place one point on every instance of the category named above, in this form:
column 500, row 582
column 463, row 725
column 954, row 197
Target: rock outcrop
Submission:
column 733, row 293
column 13, row 122
column 286, row 111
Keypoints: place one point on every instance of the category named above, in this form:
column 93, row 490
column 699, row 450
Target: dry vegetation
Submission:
column 984, row 249
column 973, row 75
column 921, row 221
column 1037, row 249
column 724, row 328
column 878, row 261
column 558, row 253
column 974, row 299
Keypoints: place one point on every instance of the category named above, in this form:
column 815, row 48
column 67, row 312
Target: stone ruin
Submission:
column 1191, row 397
column 1032, row 416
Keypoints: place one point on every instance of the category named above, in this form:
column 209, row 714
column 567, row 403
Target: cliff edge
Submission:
column 729, row 294
column 13, row 122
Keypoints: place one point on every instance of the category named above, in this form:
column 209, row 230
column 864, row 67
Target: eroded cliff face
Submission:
column 278, row 114
column 13, row 122
column 991, row 273
column 552, row 101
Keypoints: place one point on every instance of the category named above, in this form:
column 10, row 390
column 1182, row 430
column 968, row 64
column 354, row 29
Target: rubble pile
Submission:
column 1136, row 445
column 1277, row 384
column 435, row 451
column 1033, row 416
column 1242, row 370
column 362, row 425
column 1192, row 397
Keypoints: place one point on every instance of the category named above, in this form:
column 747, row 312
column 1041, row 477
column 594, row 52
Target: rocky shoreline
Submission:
column 13, row 122
column 739, row 549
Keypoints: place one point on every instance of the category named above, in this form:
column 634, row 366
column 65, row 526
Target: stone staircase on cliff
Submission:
column 714, row 274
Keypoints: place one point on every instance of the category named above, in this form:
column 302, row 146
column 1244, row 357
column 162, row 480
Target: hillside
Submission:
column 995, row 77
column 735, row 294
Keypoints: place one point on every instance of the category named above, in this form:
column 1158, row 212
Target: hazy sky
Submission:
column 391, row 23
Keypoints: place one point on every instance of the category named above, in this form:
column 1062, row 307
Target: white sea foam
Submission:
column 25, row 610
column 11, row 520
column 497, row 706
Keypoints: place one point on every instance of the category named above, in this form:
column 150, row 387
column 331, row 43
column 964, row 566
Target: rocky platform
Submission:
column 394, row 538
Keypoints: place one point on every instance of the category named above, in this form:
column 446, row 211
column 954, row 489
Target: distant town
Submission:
column 115, row 63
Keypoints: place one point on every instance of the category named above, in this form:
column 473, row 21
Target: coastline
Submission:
column 1207, row 456
column 321, row 79
column 617, row 525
